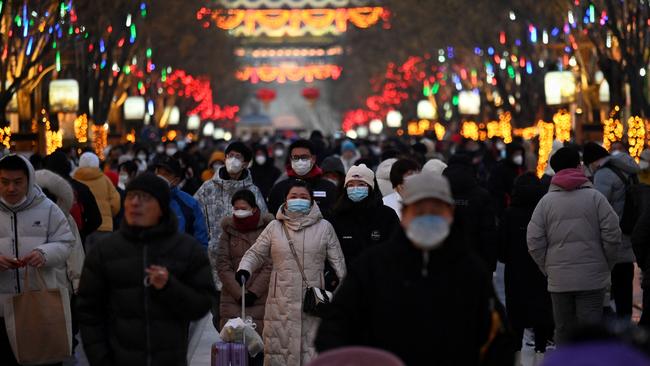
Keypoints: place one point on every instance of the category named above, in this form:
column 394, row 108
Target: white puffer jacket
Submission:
column 37, row 223
column 289, row 333
column 69, row 275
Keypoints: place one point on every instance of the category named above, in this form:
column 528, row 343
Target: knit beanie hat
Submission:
column 155, row 186
column 348, row 145
column 362, row 173
column 332, row 164
column 565, row 158
column 241, row 148
column 592, row 152
column 88, row 160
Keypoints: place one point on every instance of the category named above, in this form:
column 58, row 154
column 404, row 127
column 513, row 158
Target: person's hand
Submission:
column 249, row 299
column 34, row 259
column 7, row 263
column 242, row 273
column 157, row 276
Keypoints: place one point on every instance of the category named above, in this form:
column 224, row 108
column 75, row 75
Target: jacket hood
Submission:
column 88, row 173
column 383, row 170
column 298, row 222
column 34, row 193
column 58, row 186
column 245, row 179
column 527, row 195
column 624, row 162
column 557, row 145
column 570, row 179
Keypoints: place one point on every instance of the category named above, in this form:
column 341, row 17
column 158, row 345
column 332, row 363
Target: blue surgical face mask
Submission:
column 428, row 232
column 357, row 194
column 299, row 205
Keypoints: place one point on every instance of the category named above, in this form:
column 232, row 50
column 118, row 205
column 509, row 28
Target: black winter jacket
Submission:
column 325, row 194
column 527, row 301
column 641, row 234
column 264, row 176
column 385, row 302
column 474, row 211
column 124, row 323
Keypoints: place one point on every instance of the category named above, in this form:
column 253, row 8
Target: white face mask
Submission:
column 142, row 157
column 518, row 159
column 242, row 214
column 124, row 177
column 160, row 149
column 260, row 159
column 644, row 165
column 278, row 152
column 615, row 152
column 428, row 232
column 234, row 165
column 301, row 167
column 170, row 151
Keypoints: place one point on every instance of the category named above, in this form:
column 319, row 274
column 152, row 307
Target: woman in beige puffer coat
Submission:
column 289, row 332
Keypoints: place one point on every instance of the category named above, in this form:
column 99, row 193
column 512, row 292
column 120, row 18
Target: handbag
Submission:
column 38, row 323
column 315, row 299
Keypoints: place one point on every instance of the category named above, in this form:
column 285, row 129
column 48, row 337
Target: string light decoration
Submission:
column 289, row 72
column 199, row 90
column 275, row 4
column 289, row 22
column 81, row 128
column 636, row 136
column 469, row 130
column 546, row 131
column 100, row 139
column 288, row 52
column 130, row 137
column 562, row 121
column 440, row 131
column 53, row 140
column 5, row 137
column 493, row 129
column 505, row 127
column 612, row 132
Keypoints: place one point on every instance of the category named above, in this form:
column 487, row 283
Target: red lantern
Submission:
column 311, row 94
column 266, row 96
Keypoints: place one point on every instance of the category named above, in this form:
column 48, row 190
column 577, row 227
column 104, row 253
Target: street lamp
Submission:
column 469, row 103
column 208, row 129
column 134, row 108
column 64, row 95
column 219, row 133
column 376, row 126
column 362, row 132
column 174, row 116
column 394, row 119
column 194, row 122
column 351, row 134
column 559, row 87
column 426, row 110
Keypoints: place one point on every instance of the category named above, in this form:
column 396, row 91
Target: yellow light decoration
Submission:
column 493, row 129
column 424, row 125
column 100, row 140
column 612, row 132
column 130, row 137
column 469, row 130
column 412, row 129
column 5, row 137
column 288, row 72
column 440, row 131
column 562, row 121
column 527, row 133
column 505, row 127
column 636, row 136
column 171, row 135
column 81, row 129
column 291, row 22
column 53, row 140
column 545, row 145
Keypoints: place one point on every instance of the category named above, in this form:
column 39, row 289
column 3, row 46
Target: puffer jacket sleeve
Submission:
column 75, row 261
column 604, row 182
column 536, row 236
column 59, row 239
column 200, row 228
column 194, row 287
column 260, row 285
column 259, row 199
column 114, row 198
column 92, row 302
column 260, row 252
column 334, row 252
column 610, row 230
column 223, row 263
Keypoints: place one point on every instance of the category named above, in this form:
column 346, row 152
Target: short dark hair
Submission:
column 302, row 184
column 14, row 162
column 401, row 167
column 241, row 148
column 130, row 166
column 244, row 195
column 305, row 144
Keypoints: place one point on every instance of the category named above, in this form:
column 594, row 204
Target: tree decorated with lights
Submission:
column 31, row 37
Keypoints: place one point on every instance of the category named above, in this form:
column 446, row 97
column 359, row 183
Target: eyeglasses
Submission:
column 235, row 155
column 300, row 157
column 142, row 196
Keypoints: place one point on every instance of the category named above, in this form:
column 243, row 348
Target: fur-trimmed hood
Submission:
column 58, row 186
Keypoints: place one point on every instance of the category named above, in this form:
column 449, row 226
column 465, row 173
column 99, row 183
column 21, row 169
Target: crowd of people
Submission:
column 154, row 240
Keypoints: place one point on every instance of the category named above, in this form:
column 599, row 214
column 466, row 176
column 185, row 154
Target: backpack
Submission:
column 630, row 209
column 77, row 211
column 188, row 214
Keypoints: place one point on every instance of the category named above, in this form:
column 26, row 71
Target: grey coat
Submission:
column 613, row 188
column 574, row 237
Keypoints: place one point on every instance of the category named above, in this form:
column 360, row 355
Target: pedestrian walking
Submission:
column 641, row 244
column 611, row 175
column 422, row 295
column 574, row 238
column 289, row 332
column 502, row 177
column 400, row 170
column 216, row 161
column 34, row 233
column 263, row 171
column 142, row 285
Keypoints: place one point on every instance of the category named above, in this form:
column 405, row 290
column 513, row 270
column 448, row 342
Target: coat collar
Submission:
column 298, row 222
column 167, row 227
